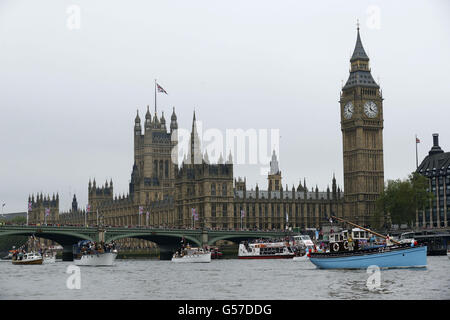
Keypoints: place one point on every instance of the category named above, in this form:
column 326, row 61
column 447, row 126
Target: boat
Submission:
column 301, row 258
column 436, row 242
column 89, row 253
column 9, row 255
column 303, row 242
column 20, row 258
column 215, row 253
column 348, row 254
column 49, row 257
column 189, row 254
column 96, row 259
column 264, row 249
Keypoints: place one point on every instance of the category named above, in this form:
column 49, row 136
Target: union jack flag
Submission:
column 194, row 214
column 88, row 208
column 160, row 89
column 29, row 206
column 47, row 212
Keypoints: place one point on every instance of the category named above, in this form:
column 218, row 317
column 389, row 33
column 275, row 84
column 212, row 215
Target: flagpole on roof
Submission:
column 417, row 161
column 155, row 95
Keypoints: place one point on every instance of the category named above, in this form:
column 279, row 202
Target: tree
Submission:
column 401, row 199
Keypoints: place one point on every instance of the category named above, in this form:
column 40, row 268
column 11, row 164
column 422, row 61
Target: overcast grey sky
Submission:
column 69, row 95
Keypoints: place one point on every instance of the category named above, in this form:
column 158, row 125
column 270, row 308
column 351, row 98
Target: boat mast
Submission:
column 368, row 230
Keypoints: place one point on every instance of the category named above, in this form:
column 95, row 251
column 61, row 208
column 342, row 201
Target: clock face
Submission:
column 370, row 109
column 348, row 110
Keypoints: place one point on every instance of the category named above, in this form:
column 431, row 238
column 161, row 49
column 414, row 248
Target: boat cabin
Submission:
column 356, row 234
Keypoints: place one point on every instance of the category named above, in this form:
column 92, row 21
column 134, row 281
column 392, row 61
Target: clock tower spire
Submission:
column 361, row 106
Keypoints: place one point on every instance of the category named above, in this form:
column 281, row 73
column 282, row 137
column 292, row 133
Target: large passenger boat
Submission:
column 347, row 253
column 264, row 249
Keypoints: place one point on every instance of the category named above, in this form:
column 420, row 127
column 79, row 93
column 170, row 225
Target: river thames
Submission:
column 227, row 279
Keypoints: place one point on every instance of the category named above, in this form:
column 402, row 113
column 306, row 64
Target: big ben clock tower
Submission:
column 361, row 105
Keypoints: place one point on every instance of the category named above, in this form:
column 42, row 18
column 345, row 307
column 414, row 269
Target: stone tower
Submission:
column 274, row 175
column 154, row 170
column 361, row 105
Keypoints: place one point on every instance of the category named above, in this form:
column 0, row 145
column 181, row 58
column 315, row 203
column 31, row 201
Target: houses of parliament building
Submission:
column 198, row 193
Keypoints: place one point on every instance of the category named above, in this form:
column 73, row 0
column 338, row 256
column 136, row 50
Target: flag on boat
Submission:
column 160, row 89
column 47, row 212
column 242, row 213
column 141, row 210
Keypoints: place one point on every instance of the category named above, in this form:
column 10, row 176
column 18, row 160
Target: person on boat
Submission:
column 350, row 243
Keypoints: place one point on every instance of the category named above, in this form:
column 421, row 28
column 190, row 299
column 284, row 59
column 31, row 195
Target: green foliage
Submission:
column 401, row 198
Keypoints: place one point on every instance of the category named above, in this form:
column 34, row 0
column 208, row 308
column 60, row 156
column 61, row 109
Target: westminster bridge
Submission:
column 168, row 239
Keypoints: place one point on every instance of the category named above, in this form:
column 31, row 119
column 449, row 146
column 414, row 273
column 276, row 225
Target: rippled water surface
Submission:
column 222, row 279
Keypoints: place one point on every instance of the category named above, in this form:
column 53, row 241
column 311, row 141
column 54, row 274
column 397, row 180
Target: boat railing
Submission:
column 379, row 249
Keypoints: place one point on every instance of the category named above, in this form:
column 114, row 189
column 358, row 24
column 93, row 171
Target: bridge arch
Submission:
column 160, row 239
column 61, row 237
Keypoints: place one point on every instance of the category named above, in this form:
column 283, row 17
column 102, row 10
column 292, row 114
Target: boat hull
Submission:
column 399, row 258
column 100, row 259
column 301, row 259
column 267, row 257
column 199, row 258
column 18, row 262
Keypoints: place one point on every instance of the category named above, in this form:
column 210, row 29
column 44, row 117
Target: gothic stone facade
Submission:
column 169, row 192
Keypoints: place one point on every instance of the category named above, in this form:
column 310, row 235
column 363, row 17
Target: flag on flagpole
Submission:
column 88, row 208
column 47, row 212
column 160, row 89
column 29, row 206
column 194, row 214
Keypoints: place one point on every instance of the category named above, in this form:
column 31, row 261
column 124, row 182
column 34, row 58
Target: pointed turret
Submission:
column 195, row 154
column 163, row 121
column 359, row 53
column 173, row 121
column 148, row 119
column 360, row 71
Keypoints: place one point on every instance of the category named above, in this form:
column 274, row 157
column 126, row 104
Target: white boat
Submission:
column 96, row 259
column 192, row 255
column 27, row 258
column 265, row 250
column 49, row 258
column 303, row 242
column 302, row 258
